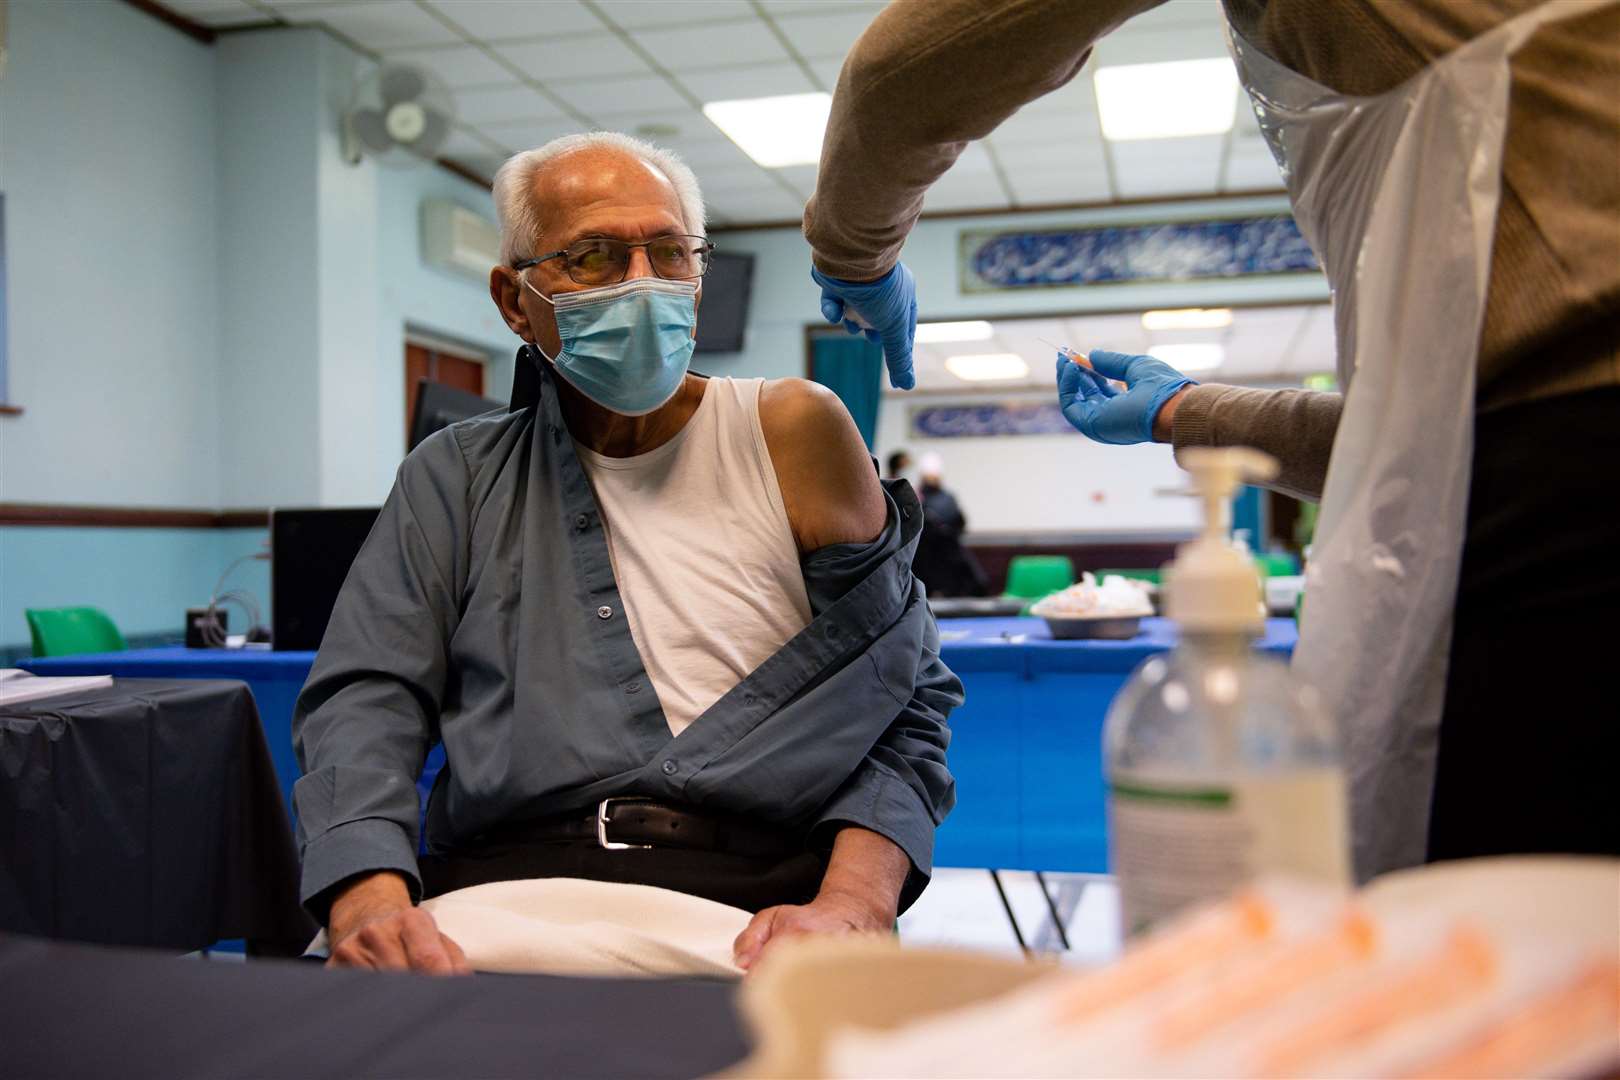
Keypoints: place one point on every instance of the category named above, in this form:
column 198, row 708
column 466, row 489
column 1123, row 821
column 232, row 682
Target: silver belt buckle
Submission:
column 602, row 824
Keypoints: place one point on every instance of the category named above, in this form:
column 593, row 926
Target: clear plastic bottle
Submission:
column 1221, row 765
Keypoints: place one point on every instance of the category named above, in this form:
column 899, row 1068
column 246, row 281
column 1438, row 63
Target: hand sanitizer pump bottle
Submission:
column 1220, row 765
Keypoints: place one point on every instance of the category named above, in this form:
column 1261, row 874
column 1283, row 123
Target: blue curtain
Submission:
column 852, row 368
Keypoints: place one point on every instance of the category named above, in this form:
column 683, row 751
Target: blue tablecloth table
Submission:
column 1026, row 747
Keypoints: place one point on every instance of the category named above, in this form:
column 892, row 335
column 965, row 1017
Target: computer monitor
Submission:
column 439, row 406
column 723, row 318
column 310, row 555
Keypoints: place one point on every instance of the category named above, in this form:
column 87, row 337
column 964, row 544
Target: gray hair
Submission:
column 520, row 224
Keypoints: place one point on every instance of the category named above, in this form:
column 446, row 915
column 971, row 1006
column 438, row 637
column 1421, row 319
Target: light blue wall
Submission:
column 207, row 303
column 107, row 161
column 416, row 296
column 143, row 578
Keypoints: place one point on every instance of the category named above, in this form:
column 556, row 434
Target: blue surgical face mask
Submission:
column 625, row 346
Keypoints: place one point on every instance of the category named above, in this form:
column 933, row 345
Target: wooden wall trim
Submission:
column 129, row 517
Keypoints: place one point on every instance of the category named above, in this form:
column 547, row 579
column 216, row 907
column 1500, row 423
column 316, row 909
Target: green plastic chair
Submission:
column 1034, row 576
column 70, row 630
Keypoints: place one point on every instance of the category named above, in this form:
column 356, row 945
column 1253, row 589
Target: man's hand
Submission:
column 826, row 914
column 374, row 925
column 859, row 895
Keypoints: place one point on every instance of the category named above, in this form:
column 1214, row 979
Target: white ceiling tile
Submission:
column 759, row 207
column 824, row 32
column 1058, row 154
column 620, row 94
column 377, row 24
column 483, row 165
column 528, row 134
column 1251, row 167
column 505, row 104
column 722, row 157
column 827, row 71
column 720, row 183
column 1205, row 16
column 699, row 48
column 466, row 143
column 754, row 81
column 673, row 127
column 799, row 7
column 965, row 191
column 1038, row 188
column 974, row 160
column 1039, row 130
column 494, row 20
column 457, row 65
column 638, row 14
column 583, row 57
column 1125, row 47
column 219, row 13
column 1075, row 97
column 1144, row 167
column 801, row 177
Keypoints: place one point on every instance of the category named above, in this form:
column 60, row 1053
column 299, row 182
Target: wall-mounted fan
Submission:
column 399, row 115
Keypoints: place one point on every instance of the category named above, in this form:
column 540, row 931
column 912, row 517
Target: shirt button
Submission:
column 604, row 612
column 669, row 768
column 633, row 688
column 581, row 520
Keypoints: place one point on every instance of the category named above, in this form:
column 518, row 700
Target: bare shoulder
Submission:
column 828, row 483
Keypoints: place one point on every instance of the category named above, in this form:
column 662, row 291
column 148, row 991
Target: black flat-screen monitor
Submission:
column 310, row 555
column 723, row 318
column 439, row 406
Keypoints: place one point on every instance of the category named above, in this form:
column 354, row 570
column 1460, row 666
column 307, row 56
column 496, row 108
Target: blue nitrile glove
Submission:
column 887, row 305
column 1106, row 414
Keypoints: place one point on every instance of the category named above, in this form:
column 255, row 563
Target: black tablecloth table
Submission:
column 146, row 813
column 76, row 1010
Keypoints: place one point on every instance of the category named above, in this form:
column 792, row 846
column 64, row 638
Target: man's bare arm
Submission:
column 829, row 487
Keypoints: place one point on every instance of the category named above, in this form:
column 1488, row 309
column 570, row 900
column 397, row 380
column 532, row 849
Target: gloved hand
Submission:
column 1106, row 414
column 888, row 306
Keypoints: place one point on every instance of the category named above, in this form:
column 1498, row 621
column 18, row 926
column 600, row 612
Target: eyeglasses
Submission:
column 601, row 260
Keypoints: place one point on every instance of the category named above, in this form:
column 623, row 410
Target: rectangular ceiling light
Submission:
column 987, row 367
column 1187, row 319
column 932, row 333
column 1192, row 357
column 1161, row 101
column 774, row 131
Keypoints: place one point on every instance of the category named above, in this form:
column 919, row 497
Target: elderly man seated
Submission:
column 664, row 625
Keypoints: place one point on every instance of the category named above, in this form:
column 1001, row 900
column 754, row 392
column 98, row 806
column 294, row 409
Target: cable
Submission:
column 213, row 626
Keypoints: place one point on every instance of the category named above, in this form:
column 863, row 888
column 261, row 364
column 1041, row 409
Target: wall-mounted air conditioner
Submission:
column 454, row 238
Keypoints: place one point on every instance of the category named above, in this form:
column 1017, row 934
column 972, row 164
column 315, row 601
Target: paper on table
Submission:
column 18, row 686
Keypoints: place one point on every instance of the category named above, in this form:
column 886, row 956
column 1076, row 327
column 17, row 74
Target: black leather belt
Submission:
column 624, row 823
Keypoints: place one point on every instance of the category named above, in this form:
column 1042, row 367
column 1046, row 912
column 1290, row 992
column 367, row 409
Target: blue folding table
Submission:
column 1026, row 746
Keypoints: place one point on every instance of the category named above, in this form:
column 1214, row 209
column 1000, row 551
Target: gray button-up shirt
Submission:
column 482, row 611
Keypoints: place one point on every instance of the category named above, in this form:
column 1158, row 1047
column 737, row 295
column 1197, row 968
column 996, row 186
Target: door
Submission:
column 436, row 365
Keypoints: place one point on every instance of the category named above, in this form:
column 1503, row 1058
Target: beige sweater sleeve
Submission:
column 1294, row 426
column 924, row 80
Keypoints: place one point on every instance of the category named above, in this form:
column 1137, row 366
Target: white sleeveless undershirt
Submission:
column 705, row 559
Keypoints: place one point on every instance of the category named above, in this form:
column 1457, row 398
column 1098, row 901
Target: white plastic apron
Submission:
column 1397, row 194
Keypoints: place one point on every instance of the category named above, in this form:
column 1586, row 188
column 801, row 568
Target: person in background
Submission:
column 899, row 466
column 1453, row 166
column 943, row 562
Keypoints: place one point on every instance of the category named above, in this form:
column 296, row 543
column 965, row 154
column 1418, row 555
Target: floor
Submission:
column 960, row 909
